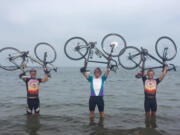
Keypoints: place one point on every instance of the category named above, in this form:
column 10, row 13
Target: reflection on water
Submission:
column 32, row 124
column 93, row 123
column 150, row 122
column 99, row 129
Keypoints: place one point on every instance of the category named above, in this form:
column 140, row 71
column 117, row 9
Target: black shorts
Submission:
column 150, row 105
column 33, row 104
column 96, row 100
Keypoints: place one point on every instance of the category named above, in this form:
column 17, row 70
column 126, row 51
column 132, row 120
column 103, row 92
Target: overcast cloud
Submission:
column 23, row 23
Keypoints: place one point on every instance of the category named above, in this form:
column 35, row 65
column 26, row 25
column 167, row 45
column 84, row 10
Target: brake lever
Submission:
column 173, row 67
column 55, row 69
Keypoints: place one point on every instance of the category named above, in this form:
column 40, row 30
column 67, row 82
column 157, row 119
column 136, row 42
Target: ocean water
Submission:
column 64, row 106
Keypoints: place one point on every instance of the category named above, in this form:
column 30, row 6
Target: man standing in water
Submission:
column 32, row 86
column 97, row 90
column 150, row 87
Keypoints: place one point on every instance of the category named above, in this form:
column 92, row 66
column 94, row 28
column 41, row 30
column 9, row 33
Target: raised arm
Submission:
column 143, row 65
column 108, row 67
column 22, row 75
column 83, row 71
column 107, row 72
column 164, row 72
column 45, row 79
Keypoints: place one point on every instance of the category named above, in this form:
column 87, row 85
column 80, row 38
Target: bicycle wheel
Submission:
column 131, row 58
column 10, row 58
column 115, row 40
column 42, row 48
column 76, row 48
column 166, row 43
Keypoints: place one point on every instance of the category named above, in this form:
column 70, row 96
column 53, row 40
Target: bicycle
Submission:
column 165, row 48
column 77, row 48
column 13, row 59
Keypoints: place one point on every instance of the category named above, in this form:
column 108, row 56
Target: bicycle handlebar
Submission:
column 172, row 68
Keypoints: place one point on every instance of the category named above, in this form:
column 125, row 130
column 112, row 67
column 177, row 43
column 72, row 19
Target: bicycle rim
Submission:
column 113, row 39
column 71, row 50
column 131, row 58
column 42, row 48
column 9, row 58
column 166, row 42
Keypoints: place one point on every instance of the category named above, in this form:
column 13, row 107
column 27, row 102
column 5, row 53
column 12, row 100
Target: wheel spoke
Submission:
column 10, row 58
column 165, row 47
column 131, row 58
column 115, row 42
column 44, row 48
column 75, row 48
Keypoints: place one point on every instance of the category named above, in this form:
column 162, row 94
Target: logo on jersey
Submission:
column 33, row 86
column 150, row 86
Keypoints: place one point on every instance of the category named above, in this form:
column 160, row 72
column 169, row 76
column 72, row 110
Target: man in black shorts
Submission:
column 150, row 87
column 32, row 85
column 97, row 90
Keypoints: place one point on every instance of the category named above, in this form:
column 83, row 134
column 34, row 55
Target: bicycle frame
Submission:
column 25, row 56
column 145, row 53
column 91, row 46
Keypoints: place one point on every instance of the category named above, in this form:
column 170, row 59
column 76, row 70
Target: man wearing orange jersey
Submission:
column 32, row 85
column 150, row 87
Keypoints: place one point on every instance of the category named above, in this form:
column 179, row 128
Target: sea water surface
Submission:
column 64, row 106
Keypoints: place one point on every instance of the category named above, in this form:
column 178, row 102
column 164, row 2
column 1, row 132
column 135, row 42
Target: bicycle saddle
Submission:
column 114, row 44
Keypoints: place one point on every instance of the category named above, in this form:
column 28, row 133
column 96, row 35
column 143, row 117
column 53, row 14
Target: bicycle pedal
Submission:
column 55, row 69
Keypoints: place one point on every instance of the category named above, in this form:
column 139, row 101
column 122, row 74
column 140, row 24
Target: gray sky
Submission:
column 27, row 22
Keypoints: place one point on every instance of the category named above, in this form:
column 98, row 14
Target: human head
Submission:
column 32, row 73
column 150, row 74
column 97, row 72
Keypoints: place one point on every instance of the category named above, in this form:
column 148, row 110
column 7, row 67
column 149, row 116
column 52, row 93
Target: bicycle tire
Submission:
column 119, row 52
column 41, row 58
column 68, row 46
column 135, row 52
column 173, row 48
column 13, row 66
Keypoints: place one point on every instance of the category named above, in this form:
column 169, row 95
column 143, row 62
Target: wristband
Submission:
column 21, row 75
column 83, row 69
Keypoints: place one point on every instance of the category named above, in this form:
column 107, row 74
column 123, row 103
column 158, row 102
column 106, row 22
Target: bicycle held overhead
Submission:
column 77, row 48
column 165, row 48
column 14, row 59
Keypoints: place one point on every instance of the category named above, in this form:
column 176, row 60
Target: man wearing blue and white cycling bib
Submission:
column 97, row 90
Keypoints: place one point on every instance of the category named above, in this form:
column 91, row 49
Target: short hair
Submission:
column 98, row 69
column 32, row 70
column 150, row 70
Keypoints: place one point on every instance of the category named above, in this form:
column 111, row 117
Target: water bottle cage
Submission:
column 91, row 54
column 98, row 53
